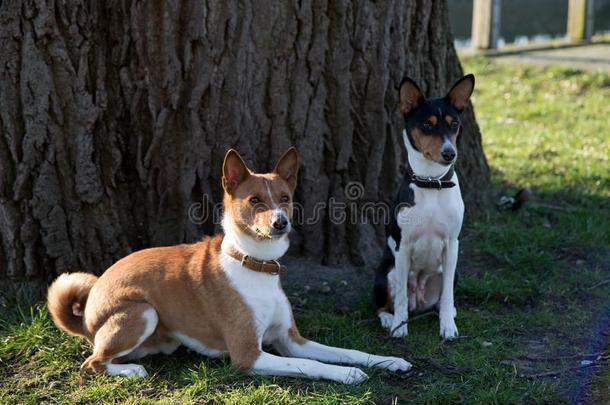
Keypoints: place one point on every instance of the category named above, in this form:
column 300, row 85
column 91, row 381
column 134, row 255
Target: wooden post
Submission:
column 485, row 24
column 580, row 20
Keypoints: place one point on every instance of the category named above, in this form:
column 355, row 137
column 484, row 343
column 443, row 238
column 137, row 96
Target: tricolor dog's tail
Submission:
column 66, row 299
column 381, row 290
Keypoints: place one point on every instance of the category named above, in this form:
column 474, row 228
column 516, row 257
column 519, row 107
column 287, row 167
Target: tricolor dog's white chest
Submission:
column 426, row 226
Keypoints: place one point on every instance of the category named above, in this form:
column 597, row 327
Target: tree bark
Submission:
column 115, row 117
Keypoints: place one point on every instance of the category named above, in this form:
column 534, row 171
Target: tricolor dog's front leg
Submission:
column 399, row 284
column 447, row 311
column 292, row 344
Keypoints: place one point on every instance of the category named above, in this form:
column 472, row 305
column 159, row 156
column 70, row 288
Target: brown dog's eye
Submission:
column 454, row 125
column 427, row 125
column 254, row 200
column 285, row 198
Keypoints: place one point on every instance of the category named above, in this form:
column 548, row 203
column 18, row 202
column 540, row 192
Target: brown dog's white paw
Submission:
column 354, row 375
column 396, row 364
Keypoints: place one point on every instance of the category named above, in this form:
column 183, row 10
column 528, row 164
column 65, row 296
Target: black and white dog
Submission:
column 418, row 268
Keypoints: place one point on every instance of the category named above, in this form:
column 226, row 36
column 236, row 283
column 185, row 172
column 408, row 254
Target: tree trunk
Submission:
column 115, row 117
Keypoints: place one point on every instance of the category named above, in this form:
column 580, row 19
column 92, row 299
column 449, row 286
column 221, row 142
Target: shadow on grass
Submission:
column 543, row 270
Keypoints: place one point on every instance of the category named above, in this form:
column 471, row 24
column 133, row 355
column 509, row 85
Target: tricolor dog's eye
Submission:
column 454, row 124
column 254, row 200
column 285, row 198
column 427, row 125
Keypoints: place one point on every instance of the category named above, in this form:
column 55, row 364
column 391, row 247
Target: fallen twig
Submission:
column 599, row 357
column 411, row 319
column 553, row 373
column 425, row 314
column 551, row 207
column 559, row 358
column 601, row 283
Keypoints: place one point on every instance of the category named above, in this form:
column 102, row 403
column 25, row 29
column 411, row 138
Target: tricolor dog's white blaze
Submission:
column 429, row 245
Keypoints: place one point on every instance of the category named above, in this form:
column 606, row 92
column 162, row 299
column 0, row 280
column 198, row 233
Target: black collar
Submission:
column 430, row 182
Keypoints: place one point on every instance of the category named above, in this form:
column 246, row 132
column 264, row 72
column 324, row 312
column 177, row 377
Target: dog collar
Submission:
column 438, row 181
column 431, row 182
column 272, row 267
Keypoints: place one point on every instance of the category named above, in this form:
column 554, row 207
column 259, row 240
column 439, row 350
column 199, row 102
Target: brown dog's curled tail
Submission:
column 66, row 300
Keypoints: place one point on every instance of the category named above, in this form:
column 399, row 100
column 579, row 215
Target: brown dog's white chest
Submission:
column 262, row 293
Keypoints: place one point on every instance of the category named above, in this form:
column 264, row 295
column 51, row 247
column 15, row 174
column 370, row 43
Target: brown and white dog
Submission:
column 219, row 296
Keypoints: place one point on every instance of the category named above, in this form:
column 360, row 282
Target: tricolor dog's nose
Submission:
column 448, row 155
column 280, row 222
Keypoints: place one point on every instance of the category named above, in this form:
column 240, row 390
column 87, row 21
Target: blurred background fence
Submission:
column 522, row 22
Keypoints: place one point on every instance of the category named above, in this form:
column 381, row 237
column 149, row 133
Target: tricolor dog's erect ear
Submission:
column 288, row 167
column 410, row 95
column 461, row 91
column 234, row 171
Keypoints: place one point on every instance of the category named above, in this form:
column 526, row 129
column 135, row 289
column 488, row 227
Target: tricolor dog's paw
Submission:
column 354, row 375
column 448, row 329
column 386, row 319
column 395, row 364
column 399, row 330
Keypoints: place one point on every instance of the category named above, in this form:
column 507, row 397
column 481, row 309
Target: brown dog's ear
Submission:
column 288, row 167
column 410, row 95
column 234, row 171
column 460, row 93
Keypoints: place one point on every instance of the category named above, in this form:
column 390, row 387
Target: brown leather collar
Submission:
column 272, row 267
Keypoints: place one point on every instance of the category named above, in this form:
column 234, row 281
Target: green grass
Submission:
column 524, row 286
